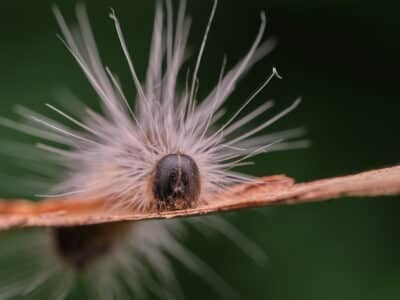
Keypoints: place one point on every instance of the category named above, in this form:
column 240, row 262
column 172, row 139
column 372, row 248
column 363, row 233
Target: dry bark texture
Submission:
column 272, row 190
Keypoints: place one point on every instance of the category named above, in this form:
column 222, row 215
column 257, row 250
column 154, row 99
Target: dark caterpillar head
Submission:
column 176, row 182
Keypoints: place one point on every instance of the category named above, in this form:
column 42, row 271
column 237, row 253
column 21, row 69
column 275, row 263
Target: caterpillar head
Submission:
column 176, row 182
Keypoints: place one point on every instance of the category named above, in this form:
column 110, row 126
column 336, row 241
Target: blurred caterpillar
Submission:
column 168, row 152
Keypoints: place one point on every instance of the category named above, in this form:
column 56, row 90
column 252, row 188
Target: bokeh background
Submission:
column 341, row 56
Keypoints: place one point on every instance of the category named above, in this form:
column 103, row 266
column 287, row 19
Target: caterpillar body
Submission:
column 168, row 151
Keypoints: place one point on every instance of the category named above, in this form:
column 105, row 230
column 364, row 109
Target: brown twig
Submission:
column 271, row 190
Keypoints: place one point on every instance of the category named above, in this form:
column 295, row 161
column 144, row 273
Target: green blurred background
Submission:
column 341, row 56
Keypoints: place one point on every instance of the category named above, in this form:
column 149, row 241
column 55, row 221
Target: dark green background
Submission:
column 342, row 57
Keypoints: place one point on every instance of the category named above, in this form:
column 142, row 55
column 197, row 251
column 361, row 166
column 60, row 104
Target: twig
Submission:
column 273, row 190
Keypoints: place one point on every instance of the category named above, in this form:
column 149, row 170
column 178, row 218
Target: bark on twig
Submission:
column 271, row 190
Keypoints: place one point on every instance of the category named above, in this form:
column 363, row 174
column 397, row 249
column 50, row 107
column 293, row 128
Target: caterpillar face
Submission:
column 176, row 182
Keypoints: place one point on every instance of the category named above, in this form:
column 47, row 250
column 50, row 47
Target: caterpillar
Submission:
column 167, row 151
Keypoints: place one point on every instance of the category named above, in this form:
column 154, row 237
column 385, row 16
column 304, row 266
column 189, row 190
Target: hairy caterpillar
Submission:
column 168, row 152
